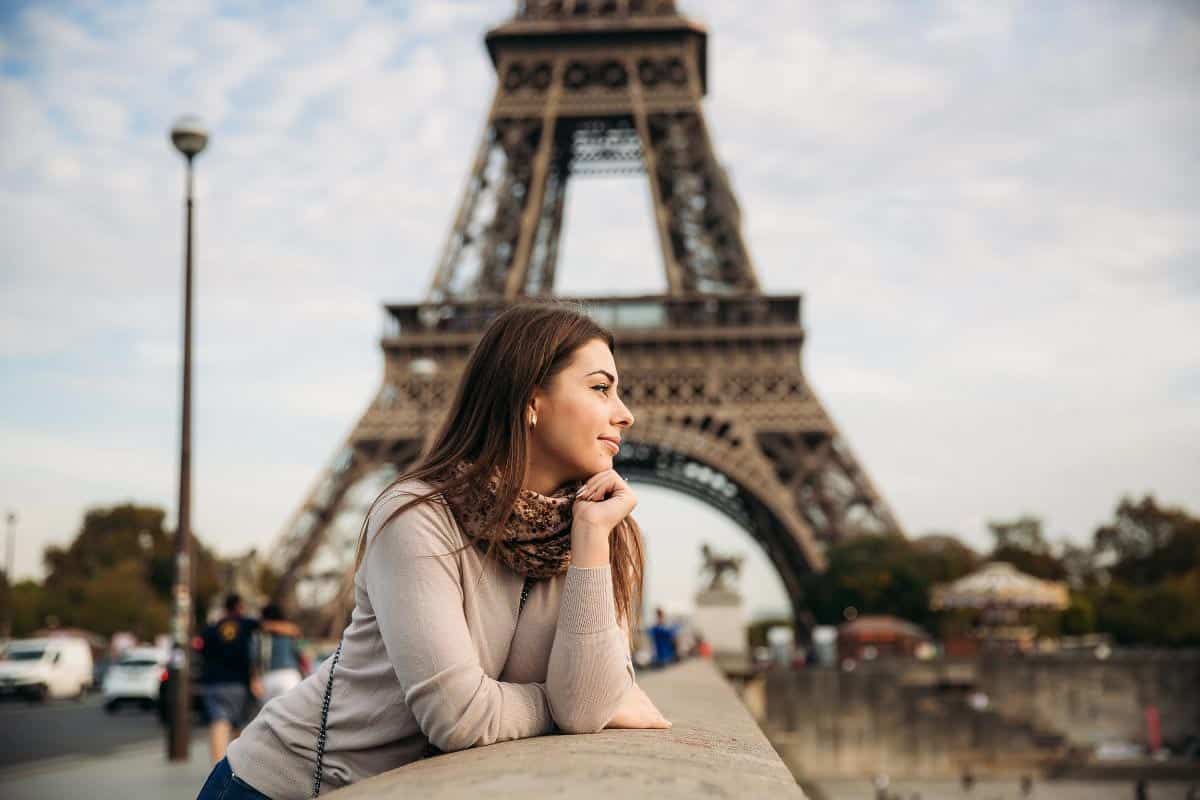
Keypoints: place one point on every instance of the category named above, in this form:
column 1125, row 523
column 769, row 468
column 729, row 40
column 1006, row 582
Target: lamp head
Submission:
column 189, row 135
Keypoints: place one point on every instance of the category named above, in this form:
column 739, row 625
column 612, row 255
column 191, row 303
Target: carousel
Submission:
column 1001, row 600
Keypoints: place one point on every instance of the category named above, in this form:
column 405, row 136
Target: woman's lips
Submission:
column 616, row 448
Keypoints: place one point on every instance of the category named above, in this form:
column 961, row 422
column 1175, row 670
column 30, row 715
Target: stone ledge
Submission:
column 713, row 749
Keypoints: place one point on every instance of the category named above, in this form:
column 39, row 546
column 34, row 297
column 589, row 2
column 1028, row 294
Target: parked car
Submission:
column 137, row 678
column 37, row 669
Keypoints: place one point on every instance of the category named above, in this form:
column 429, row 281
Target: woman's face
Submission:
column 580, row 420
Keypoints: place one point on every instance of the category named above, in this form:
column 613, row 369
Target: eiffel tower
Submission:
column 712, row 367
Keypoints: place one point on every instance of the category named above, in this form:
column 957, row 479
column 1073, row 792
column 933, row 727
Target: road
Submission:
column 32, row 732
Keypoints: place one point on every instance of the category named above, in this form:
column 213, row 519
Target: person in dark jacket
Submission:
column 665, row 638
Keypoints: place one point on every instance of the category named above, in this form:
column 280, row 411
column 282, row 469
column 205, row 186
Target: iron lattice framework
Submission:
column 712, row 367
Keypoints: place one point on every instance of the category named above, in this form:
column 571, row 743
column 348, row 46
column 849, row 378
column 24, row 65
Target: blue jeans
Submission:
column 222, row 784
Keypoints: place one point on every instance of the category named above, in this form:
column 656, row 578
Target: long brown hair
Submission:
column 523, row 347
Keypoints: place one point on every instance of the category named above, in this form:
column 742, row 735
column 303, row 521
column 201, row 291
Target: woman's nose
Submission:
column 626, row 418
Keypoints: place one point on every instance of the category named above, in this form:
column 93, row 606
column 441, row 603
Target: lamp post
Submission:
column 189, row 137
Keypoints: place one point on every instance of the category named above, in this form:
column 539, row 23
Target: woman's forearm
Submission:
column 590, row 668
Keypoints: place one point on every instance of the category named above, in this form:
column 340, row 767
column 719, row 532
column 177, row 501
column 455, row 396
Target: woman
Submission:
column 497, row 582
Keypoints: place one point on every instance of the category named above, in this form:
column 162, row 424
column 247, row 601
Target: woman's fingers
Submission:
column 591, row 485
column 665, row 723
column 637, row 710
column 600, row 484
column 604, row 500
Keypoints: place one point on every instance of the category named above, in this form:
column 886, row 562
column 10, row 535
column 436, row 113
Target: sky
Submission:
column 991, row 209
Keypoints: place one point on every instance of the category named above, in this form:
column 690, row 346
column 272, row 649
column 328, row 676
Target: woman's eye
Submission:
column 602, row 387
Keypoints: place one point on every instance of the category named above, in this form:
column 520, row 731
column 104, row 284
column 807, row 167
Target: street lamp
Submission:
column 189, row 137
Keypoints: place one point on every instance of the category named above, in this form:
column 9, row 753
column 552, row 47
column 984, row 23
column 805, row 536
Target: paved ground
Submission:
column 140, row 770
column 31, row 732
column 68, row 748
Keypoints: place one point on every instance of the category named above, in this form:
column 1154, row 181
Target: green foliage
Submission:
column 1024, row 533
column 116, row 598
column 1080, row 616
column 1165, row 613
column 1146, row 544
column 117, row 574
column 27, row 600
column 1138, row 581
column 1146, row 581
column 885, row 575
column 1022, row 543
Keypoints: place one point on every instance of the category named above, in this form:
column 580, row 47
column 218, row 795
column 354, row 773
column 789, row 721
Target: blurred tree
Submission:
column 1146, row 543
column 117, row 598
column 1166, row 613
column 1023, row 533
column 1080, row 616
column 944, row 557
column 1149, row 559
column 1079, row 565
column 27, row 600
column 118, row 573
column 886, row 575
column 1022, row 543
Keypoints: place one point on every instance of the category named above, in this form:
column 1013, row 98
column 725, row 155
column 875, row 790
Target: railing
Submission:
column 713, row 749
column 647, row 312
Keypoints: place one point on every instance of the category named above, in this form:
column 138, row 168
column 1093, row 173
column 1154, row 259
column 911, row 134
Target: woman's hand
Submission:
column 637, row 711
column 602, row 502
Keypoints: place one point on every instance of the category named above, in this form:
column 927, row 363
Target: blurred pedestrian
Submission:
column 229, row 680
column 283, row 664
column 664, row 636
column 968, row 780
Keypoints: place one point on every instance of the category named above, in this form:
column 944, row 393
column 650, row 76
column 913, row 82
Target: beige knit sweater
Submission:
column 435, row 654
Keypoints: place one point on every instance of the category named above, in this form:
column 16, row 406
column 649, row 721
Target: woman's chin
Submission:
column 600, row 464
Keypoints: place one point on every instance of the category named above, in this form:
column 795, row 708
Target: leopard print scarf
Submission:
column 536, row 541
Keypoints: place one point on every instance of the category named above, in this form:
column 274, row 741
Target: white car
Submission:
column 135, row 679
column 59, row 666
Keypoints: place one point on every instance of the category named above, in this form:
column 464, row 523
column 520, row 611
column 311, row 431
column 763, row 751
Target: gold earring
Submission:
column 533, row 420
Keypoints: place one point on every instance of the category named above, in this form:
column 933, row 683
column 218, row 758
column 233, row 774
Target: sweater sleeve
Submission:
column 417, row 595
column 590, row 667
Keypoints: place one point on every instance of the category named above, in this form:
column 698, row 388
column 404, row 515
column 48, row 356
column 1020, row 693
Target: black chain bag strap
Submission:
column 318, row 773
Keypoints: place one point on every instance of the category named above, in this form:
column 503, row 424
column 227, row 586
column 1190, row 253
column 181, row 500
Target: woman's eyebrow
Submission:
column 603, row 372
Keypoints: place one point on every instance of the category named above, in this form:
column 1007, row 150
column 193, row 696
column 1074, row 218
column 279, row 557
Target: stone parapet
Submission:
column 713, row 749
